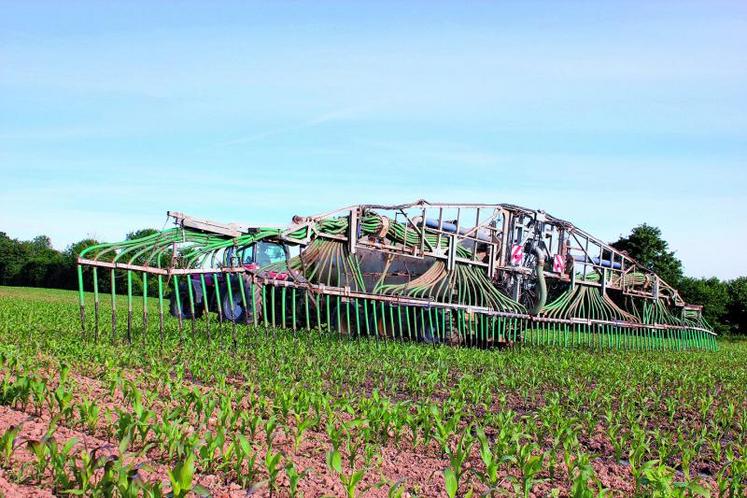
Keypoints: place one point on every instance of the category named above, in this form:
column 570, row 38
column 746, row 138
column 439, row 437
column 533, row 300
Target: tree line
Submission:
column 724, row 301
column 35, row 263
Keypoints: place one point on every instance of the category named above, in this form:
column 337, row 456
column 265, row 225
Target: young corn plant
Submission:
column 211, row 448
column 459, row 454
column 445, row 427
column 581, row 474
column 270, row 426
column 658, row 482
column 141, row 418
column 663, row 444
column 59, row 456
column 123, row 480
column 563, row 432
column 302, row 425
column 244, row 461
column 88, row 414
column 63, row 398
column 226, row 414
column 717, row 447
column 639, row 449
column 671, row 406
column 490, row 460
column 335, row 433
column 529, row 462
column 689, row 452
column 704, row 406
column 8, row 445
column 272, row 467
column 181, row 477
column 451, row 485
column 40, row 450
column 294, row 477
column 17, row 393
column 83, row 473
column 126, row 425
column 248, row 423
column 38, row 394
column 732, row 478
column 350, row 481
column 168, row 434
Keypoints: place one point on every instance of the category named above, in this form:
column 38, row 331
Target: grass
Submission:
column 286, row 413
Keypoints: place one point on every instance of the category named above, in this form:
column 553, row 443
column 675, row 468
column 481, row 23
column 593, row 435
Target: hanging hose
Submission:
column 541, row 284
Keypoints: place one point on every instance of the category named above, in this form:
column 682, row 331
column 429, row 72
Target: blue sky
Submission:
column 608, row 114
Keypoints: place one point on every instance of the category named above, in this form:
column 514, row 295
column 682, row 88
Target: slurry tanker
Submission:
column 484, row 275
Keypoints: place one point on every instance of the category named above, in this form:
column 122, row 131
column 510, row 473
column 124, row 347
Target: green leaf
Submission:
column 356, row 477
column 200, row 490
column 334, row 461
column 124, row 443
column 181, row 476
column 69, row 445
column 271, row 460
column 245, row 446
column 699, row 490
column 451, row 483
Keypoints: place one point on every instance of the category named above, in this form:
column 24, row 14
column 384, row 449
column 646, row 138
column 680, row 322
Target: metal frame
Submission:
column 427, row 232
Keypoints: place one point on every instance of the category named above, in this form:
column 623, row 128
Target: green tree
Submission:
column 713, row 294
column 71, row 256
column 43, row 266
column 138, row 234
column 737, row 309
column 73, row 250
column 137, row 277
column 646, row 245
column 35, row 263
column 12, row 257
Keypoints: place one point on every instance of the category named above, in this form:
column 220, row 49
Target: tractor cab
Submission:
column 215, row 295
column 267, row 253
column 261, row 254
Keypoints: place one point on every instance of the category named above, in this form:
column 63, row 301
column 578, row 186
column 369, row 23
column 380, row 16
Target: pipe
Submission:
column 606, row 263
column 541, row 284
column 82, row 300
column 447, row 226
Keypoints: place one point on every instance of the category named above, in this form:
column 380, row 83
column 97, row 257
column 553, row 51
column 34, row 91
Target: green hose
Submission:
column 541, row 284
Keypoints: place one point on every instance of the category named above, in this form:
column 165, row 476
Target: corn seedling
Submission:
column 181, row 477
column 8, row 445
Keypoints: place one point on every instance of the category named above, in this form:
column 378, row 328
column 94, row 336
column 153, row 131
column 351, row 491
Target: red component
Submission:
column 517, row 254
column 251, row 266
column 277, row 275
column 558, row 264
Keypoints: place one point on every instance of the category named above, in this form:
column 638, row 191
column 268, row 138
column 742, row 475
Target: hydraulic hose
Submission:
column 541, row 284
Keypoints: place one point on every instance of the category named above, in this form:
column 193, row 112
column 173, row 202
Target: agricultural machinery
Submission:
column 487, row 275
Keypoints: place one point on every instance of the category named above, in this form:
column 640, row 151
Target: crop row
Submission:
column 287, row 412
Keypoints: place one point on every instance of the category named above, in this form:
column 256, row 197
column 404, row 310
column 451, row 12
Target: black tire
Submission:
column 185, row 312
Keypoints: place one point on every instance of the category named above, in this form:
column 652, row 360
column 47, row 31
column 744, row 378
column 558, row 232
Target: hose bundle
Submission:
column 582, row 301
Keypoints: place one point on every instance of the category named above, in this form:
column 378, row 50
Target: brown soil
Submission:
column 419, row 468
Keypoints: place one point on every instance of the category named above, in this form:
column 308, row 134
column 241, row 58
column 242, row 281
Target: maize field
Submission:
column 284, row 411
